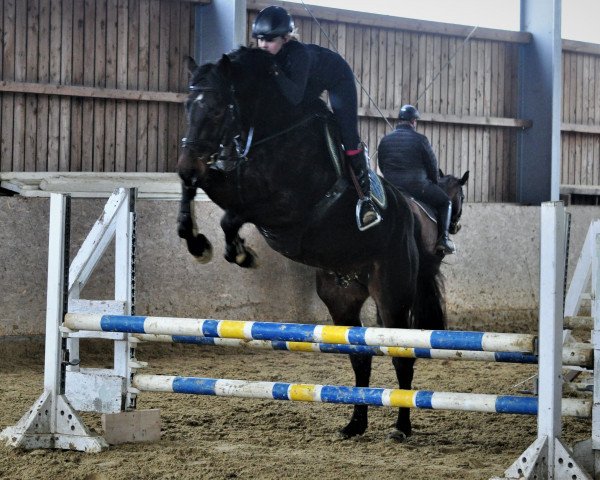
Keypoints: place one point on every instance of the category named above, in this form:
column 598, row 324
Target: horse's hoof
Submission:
column 350, row 431
column 396, row 436
column 248, row 260
column 200, row 248
column 205, row 257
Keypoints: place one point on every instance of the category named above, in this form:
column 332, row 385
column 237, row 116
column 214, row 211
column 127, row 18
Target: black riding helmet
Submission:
column 272, row 22
column 408, row 113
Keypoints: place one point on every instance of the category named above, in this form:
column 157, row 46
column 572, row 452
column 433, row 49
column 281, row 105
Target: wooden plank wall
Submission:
column 119, row 64
column 121, row 45
column 580, row 137
column 397, row 67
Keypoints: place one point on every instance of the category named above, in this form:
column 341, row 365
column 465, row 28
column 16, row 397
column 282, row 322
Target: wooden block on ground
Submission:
column 135, row 426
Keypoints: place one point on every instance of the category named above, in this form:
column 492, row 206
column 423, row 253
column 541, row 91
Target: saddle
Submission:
column 424, row 207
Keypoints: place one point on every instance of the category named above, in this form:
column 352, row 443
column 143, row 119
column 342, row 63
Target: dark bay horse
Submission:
column 287, row 186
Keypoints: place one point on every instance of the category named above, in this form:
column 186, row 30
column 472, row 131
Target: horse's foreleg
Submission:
column 197, row 244
column 235, row 250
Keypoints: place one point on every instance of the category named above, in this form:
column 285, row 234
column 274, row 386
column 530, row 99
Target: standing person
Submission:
column 304, row 71
column 406, row 160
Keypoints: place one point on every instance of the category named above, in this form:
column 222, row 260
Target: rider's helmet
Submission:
column 272, row 22
column 408, row 113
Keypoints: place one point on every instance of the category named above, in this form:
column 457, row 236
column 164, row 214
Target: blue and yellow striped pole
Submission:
column 425, row 399
column 573, row 355
column 296, row 332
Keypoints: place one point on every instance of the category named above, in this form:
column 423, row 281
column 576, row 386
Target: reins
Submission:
column 301, row 122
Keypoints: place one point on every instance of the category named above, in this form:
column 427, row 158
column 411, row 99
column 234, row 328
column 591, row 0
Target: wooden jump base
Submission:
column 53, row 421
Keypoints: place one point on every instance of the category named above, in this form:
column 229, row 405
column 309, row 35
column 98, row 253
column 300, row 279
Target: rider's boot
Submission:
column 444, row 244
column 367, row 215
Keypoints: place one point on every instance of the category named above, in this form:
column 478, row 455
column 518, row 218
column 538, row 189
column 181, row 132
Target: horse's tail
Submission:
column 429, row 309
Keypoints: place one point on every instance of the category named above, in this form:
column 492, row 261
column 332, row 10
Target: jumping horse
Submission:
column 270, row 164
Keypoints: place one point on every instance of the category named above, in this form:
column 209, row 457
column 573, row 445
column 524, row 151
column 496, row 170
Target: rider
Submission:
column 302, row 72
column 407, row 160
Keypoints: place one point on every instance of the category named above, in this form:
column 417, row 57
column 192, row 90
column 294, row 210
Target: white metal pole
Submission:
column 59, row 210
column 552, row 258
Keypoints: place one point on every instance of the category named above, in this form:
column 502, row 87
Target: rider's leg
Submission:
column 368, row 214
column 438, row 199
column 343, row 102
column 444, row 244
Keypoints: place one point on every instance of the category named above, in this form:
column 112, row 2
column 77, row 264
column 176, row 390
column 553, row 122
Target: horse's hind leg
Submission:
column 235, row 250
column 404, row 373
column 344, row 305
column 394, row 293
column 197, row 244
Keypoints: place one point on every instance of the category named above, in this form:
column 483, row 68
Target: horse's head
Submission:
column 453, row 186
column 224, row 98
column 211, row 114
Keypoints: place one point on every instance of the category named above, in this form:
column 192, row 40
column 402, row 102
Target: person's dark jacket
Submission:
column 309, row 70
column 406, row 158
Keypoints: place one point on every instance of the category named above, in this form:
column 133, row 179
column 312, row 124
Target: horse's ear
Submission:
column 225, row 66
column 440, row 172
column 190, row 64
column 464, row 178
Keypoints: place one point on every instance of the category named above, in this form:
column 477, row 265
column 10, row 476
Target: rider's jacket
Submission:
column 309, row 70
column 406, row 158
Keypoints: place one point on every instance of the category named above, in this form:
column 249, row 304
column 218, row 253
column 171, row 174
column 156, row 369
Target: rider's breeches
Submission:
column 431, row 194
column 344, row 105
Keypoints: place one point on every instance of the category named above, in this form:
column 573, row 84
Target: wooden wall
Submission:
column 96, row 85
column 113, row 60
column 580, row 138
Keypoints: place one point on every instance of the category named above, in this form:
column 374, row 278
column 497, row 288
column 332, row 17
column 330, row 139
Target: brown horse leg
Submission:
column 344, row 305
column 404, row 372
column 198, row 245
column 235, row 250
column 393, row 291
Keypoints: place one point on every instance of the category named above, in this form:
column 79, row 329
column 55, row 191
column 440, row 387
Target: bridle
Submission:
column 228, row 131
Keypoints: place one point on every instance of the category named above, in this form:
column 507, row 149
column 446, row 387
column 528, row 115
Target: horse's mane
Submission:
column 251, row 59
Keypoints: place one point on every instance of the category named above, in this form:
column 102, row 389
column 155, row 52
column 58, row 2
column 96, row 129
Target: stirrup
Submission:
column 359, row 221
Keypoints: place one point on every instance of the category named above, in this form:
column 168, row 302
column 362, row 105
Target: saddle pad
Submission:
column 377, row 190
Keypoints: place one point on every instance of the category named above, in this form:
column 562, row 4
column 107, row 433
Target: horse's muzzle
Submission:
column 454, row 228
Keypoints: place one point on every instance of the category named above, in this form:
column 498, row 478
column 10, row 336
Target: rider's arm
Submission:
column 293, row 76
column 431, row 163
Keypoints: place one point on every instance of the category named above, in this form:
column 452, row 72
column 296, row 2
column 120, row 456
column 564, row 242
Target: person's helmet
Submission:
column 272, row 22
column 408, row 113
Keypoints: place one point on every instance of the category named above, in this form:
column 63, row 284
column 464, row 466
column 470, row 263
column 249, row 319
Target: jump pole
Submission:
column 579, row 355
column 296, row 332
column 379, row 397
